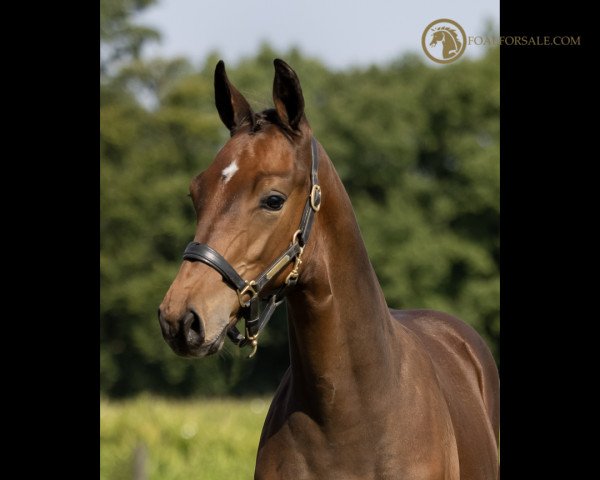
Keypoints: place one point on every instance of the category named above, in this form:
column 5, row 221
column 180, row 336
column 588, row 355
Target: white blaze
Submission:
column 229, row 171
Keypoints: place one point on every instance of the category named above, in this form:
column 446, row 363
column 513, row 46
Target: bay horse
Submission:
column 370, row 393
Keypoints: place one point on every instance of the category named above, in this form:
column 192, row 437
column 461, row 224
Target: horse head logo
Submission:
column 449, row 34
column 449, row 40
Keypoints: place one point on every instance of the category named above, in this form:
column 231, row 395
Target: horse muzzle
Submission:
column 186, row 334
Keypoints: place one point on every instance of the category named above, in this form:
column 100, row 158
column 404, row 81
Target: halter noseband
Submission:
column 256, row 320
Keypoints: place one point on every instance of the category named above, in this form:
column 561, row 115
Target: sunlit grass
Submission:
column 195, row 439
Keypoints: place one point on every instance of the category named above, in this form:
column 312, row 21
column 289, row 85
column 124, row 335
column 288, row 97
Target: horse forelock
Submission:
column 261, row 120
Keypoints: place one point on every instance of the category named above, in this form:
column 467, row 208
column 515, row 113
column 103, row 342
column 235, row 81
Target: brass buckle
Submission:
column 316, row 189
column 248, row 289
column 253, row 339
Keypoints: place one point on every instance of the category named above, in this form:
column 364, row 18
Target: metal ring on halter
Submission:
column 248, row 289
column 292, row 277
column 295, row 236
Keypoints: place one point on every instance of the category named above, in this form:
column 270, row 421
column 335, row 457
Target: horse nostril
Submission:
column 193, row 328
column 165, row 326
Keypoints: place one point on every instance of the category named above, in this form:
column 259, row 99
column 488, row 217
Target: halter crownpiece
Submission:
column 255, row 319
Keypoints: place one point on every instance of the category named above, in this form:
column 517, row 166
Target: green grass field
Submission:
column 188, row 439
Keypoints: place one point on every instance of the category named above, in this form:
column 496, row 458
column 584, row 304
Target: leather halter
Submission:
column 256, row 320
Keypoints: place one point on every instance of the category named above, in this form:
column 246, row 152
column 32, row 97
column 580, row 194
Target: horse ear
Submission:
column 287, row 94
column 233, row 108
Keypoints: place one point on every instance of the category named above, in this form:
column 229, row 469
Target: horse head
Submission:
column 248, row 203
column 450, row 41
column 438, row 36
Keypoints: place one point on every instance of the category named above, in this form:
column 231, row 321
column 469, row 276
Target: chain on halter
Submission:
column 254, row 318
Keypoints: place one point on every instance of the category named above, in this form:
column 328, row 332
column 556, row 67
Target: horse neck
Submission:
column 339, row 323
column 448, row 43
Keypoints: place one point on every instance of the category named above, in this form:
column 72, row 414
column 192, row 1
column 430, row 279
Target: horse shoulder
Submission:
column 279, row 454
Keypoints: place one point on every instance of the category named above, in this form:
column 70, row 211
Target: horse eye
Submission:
column 274, row 202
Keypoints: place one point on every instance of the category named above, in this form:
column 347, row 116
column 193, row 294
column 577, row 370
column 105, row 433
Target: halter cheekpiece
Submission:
column 249, row 292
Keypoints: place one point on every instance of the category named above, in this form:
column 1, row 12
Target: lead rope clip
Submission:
column 253, row 339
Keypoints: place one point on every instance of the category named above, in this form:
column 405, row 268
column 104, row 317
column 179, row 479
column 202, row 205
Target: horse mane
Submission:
column 452, row 32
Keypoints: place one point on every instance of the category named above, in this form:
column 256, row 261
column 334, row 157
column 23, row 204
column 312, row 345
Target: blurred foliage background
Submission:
column 416, row 146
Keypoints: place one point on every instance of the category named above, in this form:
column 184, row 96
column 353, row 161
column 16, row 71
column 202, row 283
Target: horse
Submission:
column 370, row 392
column 450, row 43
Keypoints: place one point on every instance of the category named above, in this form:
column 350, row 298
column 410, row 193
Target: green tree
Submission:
column 120, row 38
